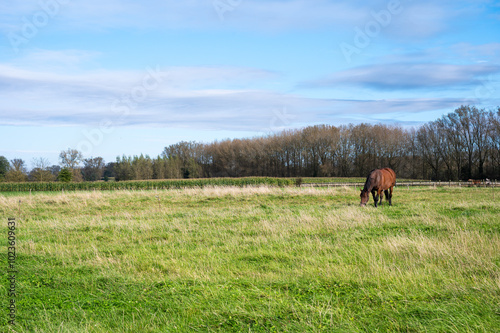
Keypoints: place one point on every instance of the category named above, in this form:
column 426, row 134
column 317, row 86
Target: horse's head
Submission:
column 364, row 197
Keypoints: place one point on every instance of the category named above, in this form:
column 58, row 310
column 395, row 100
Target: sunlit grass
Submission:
column 256, row 259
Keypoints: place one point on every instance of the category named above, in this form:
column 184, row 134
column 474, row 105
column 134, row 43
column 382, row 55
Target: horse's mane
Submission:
column 368, row 182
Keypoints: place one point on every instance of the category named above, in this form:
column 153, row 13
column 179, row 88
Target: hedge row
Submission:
column 145, row 184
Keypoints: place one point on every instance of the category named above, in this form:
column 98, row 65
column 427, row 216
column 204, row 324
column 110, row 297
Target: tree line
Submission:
column 463, row 144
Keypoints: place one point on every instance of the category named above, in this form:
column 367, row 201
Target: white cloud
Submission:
column 480, row 53
column 152, row 96
column 62, row 61
column 420, row 20
column 50, row 87
column 183, row 97
column 403, row 76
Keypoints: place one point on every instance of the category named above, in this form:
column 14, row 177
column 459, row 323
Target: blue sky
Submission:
column 126, row 77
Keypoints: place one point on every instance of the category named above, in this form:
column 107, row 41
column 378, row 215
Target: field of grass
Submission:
column 254, row 259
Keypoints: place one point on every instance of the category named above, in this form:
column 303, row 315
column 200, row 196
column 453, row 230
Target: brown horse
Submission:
column 377, row 181
column 474, row 182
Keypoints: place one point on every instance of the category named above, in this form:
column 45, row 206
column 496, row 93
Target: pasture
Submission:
column 255, row 259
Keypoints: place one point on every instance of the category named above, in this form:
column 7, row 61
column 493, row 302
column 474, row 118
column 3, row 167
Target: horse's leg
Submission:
column 375, row 197
column 387, row 196
column 390, row 196
column 380, row 194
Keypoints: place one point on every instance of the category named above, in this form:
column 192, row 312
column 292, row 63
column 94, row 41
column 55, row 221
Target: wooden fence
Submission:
column 242, row 182
column 492, row 183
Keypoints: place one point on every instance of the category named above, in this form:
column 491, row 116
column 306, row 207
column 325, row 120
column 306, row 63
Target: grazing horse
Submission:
column 377, row 181
column 474, row 182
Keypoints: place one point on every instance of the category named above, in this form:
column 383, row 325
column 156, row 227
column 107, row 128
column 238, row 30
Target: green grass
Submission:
column 258, row 259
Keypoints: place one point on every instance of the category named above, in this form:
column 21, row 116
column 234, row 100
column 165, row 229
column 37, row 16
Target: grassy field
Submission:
column 254, row 259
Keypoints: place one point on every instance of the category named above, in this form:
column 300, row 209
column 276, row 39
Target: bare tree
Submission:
column 494, row 149
column 482, row 129
column 41, row 170
column 71, row 159
column 431, row 141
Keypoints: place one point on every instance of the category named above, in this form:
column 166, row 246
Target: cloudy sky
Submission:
column 126, row 77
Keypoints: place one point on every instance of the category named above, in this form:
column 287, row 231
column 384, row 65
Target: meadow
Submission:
column 254, row 259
